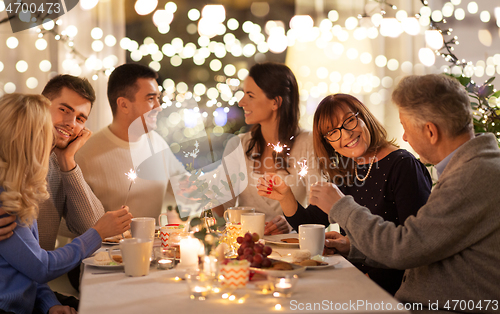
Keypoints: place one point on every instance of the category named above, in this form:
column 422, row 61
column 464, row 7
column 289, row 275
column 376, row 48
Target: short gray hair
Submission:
column 436, row 98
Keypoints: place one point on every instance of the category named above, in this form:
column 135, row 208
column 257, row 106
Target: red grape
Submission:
column 255, row 237
column 259, row 248
column 267, row 250
column 254, row 264
column 266, row 262
column 240, row 251
column 249, row 258
column 248, row 251
column 248, row 237
column 239, row 240
column 258, row 258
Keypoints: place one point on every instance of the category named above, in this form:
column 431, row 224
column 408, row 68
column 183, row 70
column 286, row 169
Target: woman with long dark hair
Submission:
column 271, row 106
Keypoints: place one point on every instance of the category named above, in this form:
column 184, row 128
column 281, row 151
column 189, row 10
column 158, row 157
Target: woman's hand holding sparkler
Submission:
column 272, row 186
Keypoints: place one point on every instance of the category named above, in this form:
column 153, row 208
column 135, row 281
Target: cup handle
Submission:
column 159, row 218
column 110, row 250
column 226, row 217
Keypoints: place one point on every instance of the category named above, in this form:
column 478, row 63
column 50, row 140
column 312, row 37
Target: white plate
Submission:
column 90, row 261
column 272, row 272
column 276, row 239
column 330, row 263
column 109, row 243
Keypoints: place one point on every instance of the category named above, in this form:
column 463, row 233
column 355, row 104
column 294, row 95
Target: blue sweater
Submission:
column 25, row 268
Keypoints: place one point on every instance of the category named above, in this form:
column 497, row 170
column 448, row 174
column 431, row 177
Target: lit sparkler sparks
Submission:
column 303, row 168
column 277, row 148
column 131, row 175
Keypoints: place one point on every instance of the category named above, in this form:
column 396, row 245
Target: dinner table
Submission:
column 338, row 287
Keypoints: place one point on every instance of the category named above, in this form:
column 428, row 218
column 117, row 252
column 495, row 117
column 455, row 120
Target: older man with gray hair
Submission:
column 451, row 249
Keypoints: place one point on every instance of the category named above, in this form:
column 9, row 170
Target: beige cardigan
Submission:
column 302, row 150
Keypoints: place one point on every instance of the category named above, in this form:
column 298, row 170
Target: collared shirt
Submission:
column 442, row 164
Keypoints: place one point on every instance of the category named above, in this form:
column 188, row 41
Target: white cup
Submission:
column 143, row 228
column 312, row 238
column 253, row 222
column 233, row 214
column 136, row 254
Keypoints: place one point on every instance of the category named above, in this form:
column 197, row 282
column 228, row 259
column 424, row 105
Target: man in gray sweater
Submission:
column 451, row 249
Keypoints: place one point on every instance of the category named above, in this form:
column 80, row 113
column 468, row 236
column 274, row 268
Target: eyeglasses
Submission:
column 349, row 124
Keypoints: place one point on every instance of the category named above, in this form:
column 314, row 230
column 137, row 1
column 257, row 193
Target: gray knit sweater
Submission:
column 71, row 198
column 451, row 249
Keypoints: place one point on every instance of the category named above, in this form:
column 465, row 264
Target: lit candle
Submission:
column 199, row 292
column 189, row 252
column 282, row 286
column 165, row 264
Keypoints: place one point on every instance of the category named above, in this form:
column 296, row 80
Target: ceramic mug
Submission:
column 253, row 223
column 143, row 228
column 136, row 254
column 233, row 214
column 312, row 238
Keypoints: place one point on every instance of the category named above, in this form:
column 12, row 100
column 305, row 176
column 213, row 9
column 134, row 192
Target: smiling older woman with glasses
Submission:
column 354, row 153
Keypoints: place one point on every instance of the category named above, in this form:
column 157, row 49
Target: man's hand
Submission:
column 272, row 186
column 7, row 224
column 335, row 242
column 277, row 225
column 324, row 195
column 114, row 222
column 61, row 309
column 66, row 156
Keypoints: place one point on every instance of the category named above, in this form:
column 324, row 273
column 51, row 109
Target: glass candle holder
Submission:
column 283, row 286
column 232, row 232
column 199, row 285
column 165, row 257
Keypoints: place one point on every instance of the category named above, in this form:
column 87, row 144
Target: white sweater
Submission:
column 105, row 159
column 302, row 149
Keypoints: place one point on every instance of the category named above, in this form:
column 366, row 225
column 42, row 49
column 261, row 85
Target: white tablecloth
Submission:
column 340, row 288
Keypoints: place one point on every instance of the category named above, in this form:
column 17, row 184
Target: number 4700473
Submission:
column 33, row 8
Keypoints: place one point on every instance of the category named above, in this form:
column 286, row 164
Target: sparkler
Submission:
column 303, row 168
column 279, row 149
column 131, row 175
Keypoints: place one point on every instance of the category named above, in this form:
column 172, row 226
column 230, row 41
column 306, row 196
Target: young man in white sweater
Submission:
column 128, row 141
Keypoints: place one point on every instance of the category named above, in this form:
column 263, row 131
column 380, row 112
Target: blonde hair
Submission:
column 25, row 143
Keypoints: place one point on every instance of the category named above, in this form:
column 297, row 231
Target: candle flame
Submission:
column 131, row 175
column 303, row 168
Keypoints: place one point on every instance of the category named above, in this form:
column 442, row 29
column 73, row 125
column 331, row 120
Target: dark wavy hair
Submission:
column 277, row 81
column 81, row 86
column 335, row 167
column 123, row 82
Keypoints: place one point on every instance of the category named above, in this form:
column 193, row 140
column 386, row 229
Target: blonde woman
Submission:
column 25, row 144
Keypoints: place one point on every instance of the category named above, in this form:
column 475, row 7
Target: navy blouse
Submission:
column 396, row 187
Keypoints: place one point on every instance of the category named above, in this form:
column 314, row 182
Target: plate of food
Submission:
column 304, row 258
column 116, row 239
column 279, row 268
column 288, row 239
column 102, row 260
column 315, row 264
